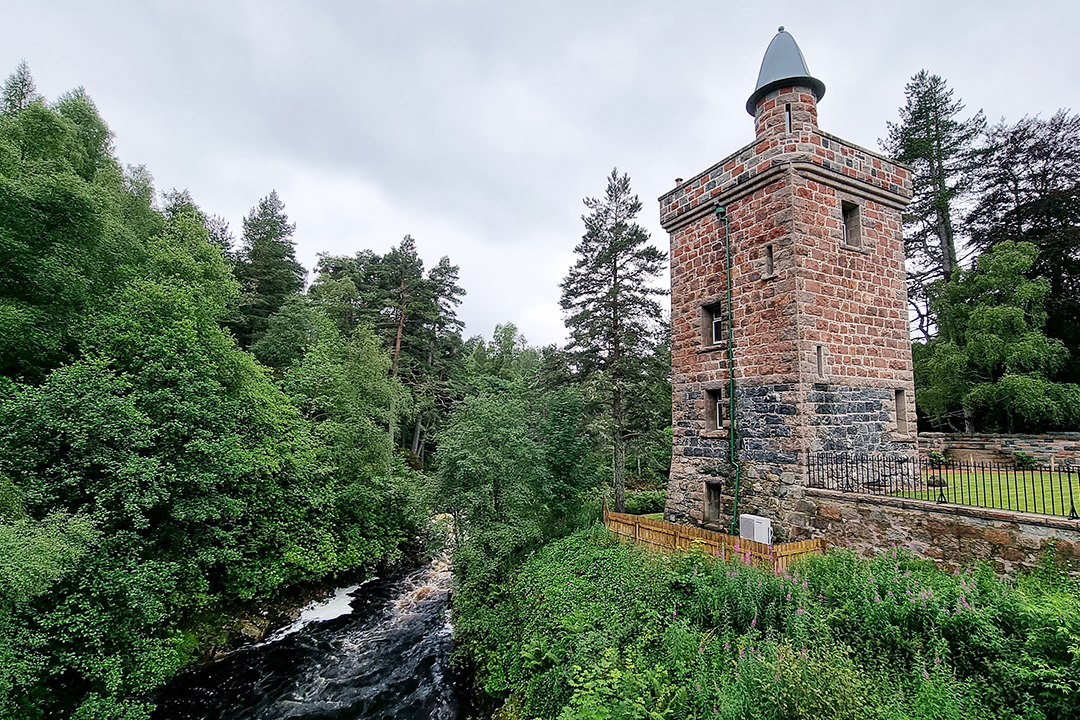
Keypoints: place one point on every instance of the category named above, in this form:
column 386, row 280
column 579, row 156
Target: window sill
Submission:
column 771, row 276
column 714, row 434
column 706, row 349
column 855, row 248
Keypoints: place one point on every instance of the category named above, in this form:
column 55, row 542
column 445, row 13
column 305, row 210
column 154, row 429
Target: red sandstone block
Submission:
column 1011, row 554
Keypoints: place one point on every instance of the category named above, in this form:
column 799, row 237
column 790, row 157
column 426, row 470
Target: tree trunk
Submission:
column 619, row 455
column 397, row 343
column 416, row 436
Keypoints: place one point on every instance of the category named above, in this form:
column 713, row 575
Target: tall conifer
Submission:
column 267, row 268
column 942, row 152
column 610, row 304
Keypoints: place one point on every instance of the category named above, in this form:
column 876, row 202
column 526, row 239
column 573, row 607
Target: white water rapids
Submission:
column 376, row 650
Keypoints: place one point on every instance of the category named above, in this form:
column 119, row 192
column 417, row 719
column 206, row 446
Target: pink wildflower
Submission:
column 800, row 611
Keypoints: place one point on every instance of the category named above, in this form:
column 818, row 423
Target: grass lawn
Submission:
column 654, row 516
column 1032, row 491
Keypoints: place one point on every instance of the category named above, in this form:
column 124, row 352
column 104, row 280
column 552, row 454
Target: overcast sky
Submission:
column 478, row 127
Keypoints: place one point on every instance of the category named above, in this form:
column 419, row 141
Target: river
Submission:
column 376, row 650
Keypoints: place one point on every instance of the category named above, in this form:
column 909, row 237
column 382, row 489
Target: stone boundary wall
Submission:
column 1063, row 447
column 952, row 535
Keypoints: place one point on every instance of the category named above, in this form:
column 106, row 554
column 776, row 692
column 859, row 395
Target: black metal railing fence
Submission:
column 1052, row 489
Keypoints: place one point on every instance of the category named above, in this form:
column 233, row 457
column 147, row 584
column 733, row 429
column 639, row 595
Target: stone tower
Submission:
column 814, row 343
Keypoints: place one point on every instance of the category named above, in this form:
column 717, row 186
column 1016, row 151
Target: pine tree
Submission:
column 942, row 151
column 414, row 312
column 19, row 90
column 610, row 305
column 267, row 268
column 1029, row 191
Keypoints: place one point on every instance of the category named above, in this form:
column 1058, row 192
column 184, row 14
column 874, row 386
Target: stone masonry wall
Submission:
column 953, row 536
column 795, row 286
column 860, row 418
column 1063, row 447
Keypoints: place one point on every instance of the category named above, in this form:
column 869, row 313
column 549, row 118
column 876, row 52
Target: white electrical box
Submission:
column 756, row 528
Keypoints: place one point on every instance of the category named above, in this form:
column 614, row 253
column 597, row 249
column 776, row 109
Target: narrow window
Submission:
column 821, row 361
column 768, row 260
column 901, row 413
column 713, row 502
column 713, row 328
column 852, row 224
column 787, row 118
column 716, row 410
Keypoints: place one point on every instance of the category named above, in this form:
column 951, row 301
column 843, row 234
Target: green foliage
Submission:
column 611, row 309
column 291, row 332
column 644, row 502
column 991, row 362
column 415, row 315
column 937, row 458
column 150, row 470
column 266, row 268
column 942, row 151
column 1029, row 191
column 19, row 91
column 587, row 627
column 1023, row 460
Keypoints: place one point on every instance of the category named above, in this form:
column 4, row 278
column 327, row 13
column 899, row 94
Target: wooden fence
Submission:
column 669, row 537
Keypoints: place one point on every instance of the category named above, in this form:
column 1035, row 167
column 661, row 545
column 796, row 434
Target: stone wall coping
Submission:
column 1001, row 436
column 752, row 145
column 781, row 165
column 1018, row 518
column 724, row 197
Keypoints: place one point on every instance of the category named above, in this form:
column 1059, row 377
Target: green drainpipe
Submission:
column 721, row 213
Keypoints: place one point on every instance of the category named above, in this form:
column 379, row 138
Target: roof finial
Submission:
column 782, row 66
column 781, row 29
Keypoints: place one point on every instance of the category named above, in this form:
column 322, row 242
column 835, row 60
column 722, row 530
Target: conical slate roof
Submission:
column 783, row 66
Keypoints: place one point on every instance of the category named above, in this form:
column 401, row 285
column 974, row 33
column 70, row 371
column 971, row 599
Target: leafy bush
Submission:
column 1024, row 461
column 591, row 628
column 643, row 502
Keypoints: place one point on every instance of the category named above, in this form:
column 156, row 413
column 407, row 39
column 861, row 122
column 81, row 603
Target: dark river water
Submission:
column 377, row 650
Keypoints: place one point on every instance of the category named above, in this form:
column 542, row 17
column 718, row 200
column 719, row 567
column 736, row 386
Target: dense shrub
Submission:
column 589, row 628
column 643, row 502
